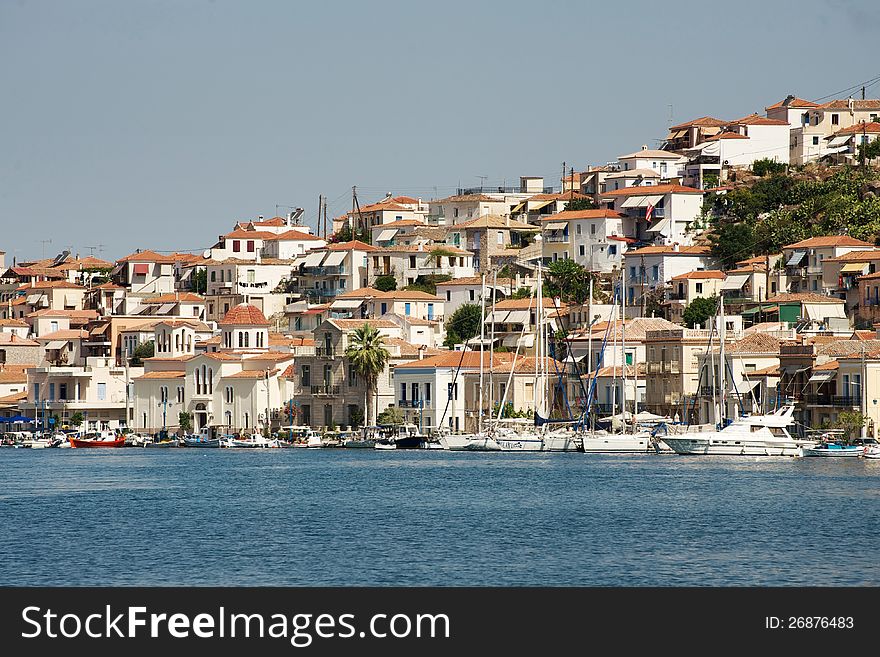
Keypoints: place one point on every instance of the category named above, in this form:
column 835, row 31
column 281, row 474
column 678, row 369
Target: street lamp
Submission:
column 164, row 405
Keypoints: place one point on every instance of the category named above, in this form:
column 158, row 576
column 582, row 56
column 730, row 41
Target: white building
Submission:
column 651, row 267
column 596, row 239
column 660, row 213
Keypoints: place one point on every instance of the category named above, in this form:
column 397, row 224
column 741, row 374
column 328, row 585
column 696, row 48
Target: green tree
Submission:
column 385, row 283
column 851, row 422
column 198, row 282
column 143, row 350
column 368, row 358
column 733, row 242
column 568, row 280
column 341, row 235
column 428, row 283
column 463, row 324
column 522, row 293
column 391, row 415
column 699, row 311
column 76, row 419
column 580, row 204
column 184, row 419
column 357, row 418
column 765, row 165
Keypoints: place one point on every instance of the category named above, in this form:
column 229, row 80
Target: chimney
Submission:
column 644, row 147
column 259, row 217
column 675, row 247
column 422, row 348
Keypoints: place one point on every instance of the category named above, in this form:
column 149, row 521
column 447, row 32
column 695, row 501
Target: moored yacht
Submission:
column 749, row 435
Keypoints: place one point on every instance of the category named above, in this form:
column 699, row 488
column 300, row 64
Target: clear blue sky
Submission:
column 157, row 124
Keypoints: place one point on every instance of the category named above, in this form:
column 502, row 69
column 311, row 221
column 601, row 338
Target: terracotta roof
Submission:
column 149, row 256
column 405, row 200
column 649, row 190
column 870, row 277
column 857, row 256
column 847, row 348
column 756, row 260
column 72, row 314
column 162, row 374
column 360, row 293
column 410, row 349
column 13, row 322
column 477, row 280
column 808, row 297
column 869, row 127
column 249, row 234
column 636, row 328
column 795, row 102
column 408, row 295
column 13, row 340
column 244, row 314
column 84, row 263
column 354, row 245
column 425, row 248
column 294, row 236
column 174, row 297
column 557, row 196
column 109, row 286
column 748, row 269
column 669, row 249
column 357, row 323
column 843, row 104
column 526, row 365
column 220, row 355
column 633, row 173
column 828, row 366
column 50, row 285
column 14, row 398
column 467, row 359
column 772, row 370
column 864, row 335
column 827, row 240
column 756, row 119
column 756, row 343
column 601, row 213
column 523, row 304
column 701, row 275
column 617, row 372
column 726, row 135
column 702, row 122
column 381, row 206
column 463, row 198
column 274, row 221
column 400, row 223
column 65, row 334
column 648, row 153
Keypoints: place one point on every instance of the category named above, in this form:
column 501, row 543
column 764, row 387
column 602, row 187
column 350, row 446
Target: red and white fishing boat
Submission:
column 98, row 439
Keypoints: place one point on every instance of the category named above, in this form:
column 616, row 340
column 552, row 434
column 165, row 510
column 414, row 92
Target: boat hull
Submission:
column 80, row 444
column 845, row 452
column 359, row 444
column 719, row 447
column 468, row 443
column 164, row 443
column 562, row 444
column 520, row 444
column 196, row 442
column 619, row 444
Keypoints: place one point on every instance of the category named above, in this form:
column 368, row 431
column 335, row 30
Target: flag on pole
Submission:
column 648, row 212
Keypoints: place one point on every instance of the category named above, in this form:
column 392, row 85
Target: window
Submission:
column 632, row 272
column 240, row 339
column 247, row 339
column 352, row 377
column 384, row 308
column 448, row 295
column 581, row 250
column 835, row 119
column 428, row 391
column 592, row 229
column 306, row 414
column 577, row 230
column 179, row 394
column 163, row 394
column 306, row 376
column 612, row 250
column 236, row 246
column 402, row 392
column 815, row 141
column 36, row 392
column 210, row 308
column 699, row 287
column 412, row 262
column 247, row 420
column 213, row 275
column 471, row 295
column 229, row 396
column 51, row 392
column 53, row 326
column 406, row 308
column 251, row 275
column 102, row 392
column 250, row 246
column 328, row 415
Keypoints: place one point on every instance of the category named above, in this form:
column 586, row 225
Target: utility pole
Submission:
column 562, row 180
column 320, row 205
column 44, row 243
column 325, row 217
column 571, row 183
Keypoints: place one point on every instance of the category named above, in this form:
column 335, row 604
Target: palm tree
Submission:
column 368, row 358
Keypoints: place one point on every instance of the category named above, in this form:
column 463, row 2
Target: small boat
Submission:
column 834, row 450
column 467, row 442
column 872, row 452
column 386, row 436
column 385, row 445
column 172, row 442
column 100, row 439
column 200, row 441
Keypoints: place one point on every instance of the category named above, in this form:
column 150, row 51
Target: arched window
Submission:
column 247, row 418
column 240, row 339
column 198, row 382
column 204, row 379
column 177, row 341
column 211, row 381
column 247, row 340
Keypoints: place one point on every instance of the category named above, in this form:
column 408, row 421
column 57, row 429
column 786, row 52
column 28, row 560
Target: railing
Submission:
column 324, row 271
column 677, row 297
column 323, row 390
column 818, row 400
column 556, row 239
column 871, row 302
column 325, row 352
column 846, row 401
column 414, row 403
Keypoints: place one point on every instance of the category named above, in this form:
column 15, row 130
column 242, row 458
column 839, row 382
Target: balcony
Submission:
column 324, row 271
column 325, row 352
column 414, row 403
column 556, row 239
column 331, row 390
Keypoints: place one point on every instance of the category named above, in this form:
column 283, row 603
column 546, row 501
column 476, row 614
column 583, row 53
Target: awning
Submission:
column 526, row 341
column 651, row 200
column 335, row 259
column 821, row 377
column 642, row 201
column 165, row 308
column 540, row 204
column 675, row 134
column 735, row 282
column 510, row 317
column 746, row 386
column 556, row 225
column 796, row 258
column 141, row 268
column 314, row 259
column 518, row 207
column 631, row 202
column 853, row 268
column 387, row 235
column 839, row 141
column 56, row 344
column 70, row 300
column 346, row 304
column 299, row 260
column 33, row 298
column 659, row 226
column 832, row 151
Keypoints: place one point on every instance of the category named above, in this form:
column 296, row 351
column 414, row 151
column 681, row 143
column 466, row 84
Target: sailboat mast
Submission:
column 722, row 335
column 482, row 338
column 614, row 357
column 623, row 342
column 539, row 406
column 492, row 344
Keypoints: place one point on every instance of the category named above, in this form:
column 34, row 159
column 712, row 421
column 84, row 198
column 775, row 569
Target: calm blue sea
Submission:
column 361, row 517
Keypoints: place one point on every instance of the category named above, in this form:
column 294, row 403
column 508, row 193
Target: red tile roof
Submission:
column 727, row 135
column 454, row 359
column 828, row 240
column 869, row 104
column 646, row 190
column 354, row 245
column 756, row 119
column 600, row 213
column 149, row 256
column 244, row 314
column 701, row 275
column 795, row 102
column 869, row 127
column 669, row 249
column 702, row 122
column 175, row 297
column 808, row 297
column 249, row 234
column 293, row 236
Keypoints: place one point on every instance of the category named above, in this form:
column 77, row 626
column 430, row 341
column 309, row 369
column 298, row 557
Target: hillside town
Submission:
column 600, row 292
